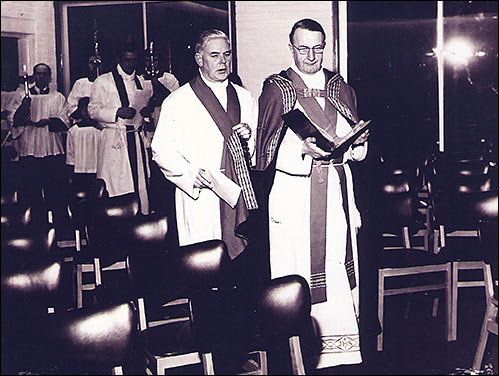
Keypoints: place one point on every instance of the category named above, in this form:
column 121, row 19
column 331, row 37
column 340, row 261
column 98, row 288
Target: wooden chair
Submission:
column 168, row 342
column 462, row 195
column 489, row 243
column 81, row 205
column 19, row 244
column 398, row 209
column 97, row 337
column 462, row 183
column 484, row 208
column 397, row 216
column 107, row 237
column 32, row 289
column 280, row 309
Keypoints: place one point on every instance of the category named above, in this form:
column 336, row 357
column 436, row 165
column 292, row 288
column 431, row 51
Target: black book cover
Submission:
column 303, row 127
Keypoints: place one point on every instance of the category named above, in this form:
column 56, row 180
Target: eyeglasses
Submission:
column 303, row 50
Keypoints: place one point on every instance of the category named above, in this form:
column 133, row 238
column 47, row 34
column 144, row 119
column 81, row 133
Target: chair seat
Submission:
column 411, row 258
column 168, row 340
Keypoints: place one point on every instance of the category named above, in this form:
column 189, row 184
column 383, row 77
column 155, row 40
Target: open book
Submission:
column 303, row 127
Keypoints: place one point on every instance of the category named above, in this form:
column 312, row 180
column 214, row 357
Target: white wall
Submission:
column 262, row 36
column 33, row 23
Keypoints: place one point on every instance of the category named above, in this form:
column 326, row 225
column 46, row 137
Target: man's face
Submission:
column 310, row 62
column 128, row 62
column 215, row 59
column 42, row 76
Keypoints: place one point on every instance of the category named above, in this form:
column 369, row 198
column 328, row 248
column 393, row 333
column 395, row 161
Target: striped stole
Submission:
column 325, row 120
column 234, row 164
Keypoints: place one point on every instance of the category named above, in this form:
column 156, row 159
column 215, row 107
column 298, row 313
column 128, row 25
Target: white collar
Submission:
column 315, row 80
column 126, row 76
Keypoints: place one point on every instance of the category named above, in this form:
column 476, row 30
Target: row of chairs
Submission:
column 438, row 197
column 158, row 281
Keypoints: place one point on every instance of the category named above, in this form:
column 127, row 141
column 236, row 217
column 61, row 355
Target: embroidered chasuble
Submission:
column 326, row 121
column 233, row 165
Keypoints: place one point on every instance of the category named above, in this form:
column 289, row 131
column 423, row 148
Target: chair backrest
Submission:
column 108, row 228
column 282, row 306
column 460, row 176
column 100, row 189
column 15, row 215
column 202, row 265
column 148, row 268
column 100, row 335
column 488, row 234
column 148, row 232
column 396, row 205
column 21, row 244
column 463, row 211
column 9, row 196
column 31, row 288
column 83, row 200
column 411, row 171
column 30, row 294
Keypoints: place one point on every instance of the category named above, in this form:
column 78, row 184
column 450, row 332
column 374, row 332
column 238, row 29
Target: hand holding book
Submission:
column 304, row 128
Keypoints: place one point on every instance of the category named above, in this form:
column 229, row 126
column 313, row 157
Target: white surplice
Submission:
column 83, row 142
column 335, row 320
column 170, row 82
column 187, row 139
column 35, row 141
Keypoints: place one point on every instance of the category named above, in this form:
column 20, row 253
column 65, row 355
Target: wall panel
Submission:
column 262, row 29
column 33, row 23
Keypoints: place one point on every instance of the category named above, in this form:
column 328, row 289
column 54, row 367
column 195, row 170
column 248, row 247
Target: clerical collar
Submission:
column 214, row 85
column 126, row 76
column 36, row 90
column 315, row 80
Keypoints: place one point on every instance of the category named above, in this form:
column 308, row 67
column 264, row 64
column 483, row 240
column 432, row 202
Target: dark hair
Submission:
column 307, row 24
column 42, row 64
column 127, row 47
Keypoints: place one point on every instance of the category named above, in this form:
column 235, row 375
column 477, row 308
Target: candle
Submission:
column 26, row 89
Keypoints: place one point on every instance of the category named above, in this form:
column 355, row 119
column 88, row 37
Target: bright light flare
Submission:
column 458, row 51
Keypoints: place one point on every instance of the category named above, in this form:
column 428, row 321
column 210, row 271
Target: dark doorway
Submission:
column 10, row 64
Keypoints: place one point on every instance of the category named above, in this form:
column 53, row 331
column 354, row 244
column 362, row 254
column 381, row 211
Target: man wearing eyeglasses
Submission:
column 312, row 215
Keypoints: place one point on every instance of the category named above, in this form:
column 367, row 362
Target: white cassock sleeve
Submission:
column 290, row 158
column 165, row 149
column 74, row 96
column 100, row 108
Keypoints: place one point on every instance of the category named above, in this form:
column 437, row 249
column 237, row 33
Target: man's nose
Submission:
column 310, row 54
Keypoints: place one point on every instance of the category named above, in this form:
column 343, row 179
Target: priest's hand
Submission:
column 126, row 112
column 243, row 130
column 310, row 147
column 362, row 138
column 202, row 180
column 41, row 123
